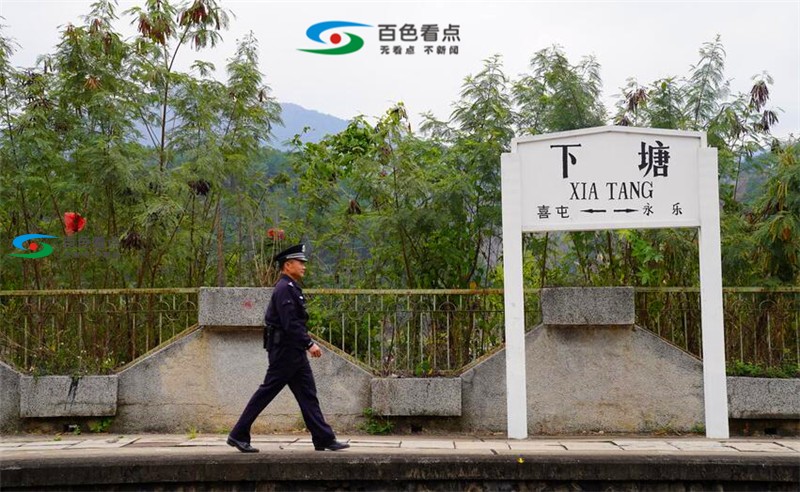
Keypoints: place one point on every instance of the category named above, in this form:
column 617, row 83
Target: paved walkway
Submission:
column 20, row 446
column 289, row 462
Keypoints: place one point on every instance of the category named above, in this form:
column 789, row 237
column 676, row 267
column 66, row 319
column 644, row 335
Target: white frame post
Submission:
column 513, row 297
column 703, row 184
column 715, row 383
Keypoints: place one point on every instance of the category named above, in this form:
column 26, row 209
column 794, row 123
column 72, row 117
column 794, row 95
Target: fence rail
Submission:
column 89, row 331
column 404, row 332
column 414, row 332
column 762, row 326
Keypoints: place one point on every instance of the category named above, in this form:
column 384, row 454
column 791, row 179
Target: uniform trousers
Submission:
column 287, row 366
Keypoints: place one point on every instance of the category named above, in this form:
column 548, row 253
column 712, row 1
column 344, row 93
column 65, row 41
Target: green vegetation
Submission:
column 376, row 424
column 191, row 432
column 740, row 368
column 172, row 169
column 101, row 425
column 698, row 428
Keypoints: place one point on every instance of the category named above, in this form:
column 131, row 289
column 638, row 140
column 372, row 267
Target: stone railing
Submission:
column 588, row 368
column 79, row 332
column 762, row 325
column 402, row 332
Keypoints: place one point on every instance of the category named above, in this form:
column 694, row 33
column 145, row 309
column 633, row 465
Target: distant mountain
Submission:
column 296, row 117
column 753, row 175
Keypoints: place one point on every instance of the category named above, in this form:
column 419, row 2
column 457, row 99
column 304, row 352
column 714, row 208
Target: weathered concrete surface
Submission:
column 417, row 396
column 763, row 398
column 9, row 398
column 65, row 396
column 222, row 468
column 232, row 306
column 600, row 376
column 588, row 306
column 590, row 379
column 623, row 380
column 483, row 394
column 204, row 380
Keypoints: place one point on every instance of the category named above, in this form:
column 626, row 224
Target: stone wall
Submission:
column 430, row 397
column 590, row 379
column 66, row 396
column 587, row 370
column 9, row 398
column 763, row 398
column 204, row 380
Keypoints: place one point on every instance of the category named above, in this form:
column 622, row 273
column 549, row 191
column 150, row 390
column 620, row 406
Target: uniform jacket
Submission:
column 286, row 317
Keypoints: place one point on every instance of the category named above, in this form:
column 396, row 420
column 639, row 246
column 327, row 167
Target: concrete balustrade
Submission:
column 439, row 397
column 589, row 368
column 66, row 396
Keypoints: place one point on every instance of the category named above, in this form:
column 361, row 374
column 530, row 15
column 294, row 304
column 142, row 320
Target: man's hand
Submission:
column 315, row 351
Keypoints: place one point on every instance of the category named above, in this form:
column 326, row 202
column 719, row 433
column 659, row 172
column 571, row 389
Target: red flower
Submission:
column 276, row 234
column 73, row 222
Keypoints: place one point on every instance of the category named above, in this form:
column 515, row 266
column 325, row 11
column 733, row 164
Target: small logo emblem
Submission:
column 316, row 31
column 40, row 250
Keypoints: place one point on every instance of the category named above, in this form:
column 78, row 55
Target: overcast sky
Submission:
column 644, row 40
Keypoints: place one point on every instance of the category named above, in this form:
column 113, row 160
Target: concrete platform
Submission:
column 288, row 462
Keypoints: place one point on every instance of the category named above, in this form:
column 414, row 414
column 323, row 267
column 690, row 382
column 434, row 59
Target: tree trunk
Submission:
column 543, row 270
column 220, row 252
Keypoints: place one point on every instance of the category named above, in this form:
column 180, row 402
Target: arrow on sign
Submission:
column 626, row 210
column 593, row 211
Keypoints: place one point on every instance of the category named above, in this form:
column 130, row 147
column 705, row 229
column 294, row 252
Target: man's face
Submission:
column 294, row 268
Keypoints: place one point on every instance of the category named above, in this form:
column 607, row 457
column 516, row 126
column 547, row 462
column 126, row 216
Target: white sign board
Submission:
column 609, row 180
column 613, row 178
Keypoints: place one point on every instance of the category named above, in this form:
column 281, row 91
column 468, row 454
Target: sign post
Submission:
column 613, row 178
column 513, row 298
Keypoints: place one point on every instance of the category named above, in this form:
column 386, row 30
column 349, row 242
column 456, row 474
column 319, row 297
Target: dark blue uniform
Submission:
column 286, row 340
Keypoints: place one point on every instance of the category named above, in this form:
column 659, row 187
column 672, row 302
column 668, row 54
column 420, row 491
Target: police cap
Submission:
column 296, row 252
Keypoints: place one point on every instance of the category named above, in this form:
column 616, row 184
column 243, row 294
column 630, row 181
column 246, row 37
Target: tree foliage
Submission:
column 174, row 169
column 557, row 96
column 107, row 128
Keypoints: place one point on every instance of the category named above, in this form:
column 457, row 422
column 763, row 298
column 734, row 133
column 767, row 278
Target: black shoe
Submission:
column 334, row 446
column 242, row 446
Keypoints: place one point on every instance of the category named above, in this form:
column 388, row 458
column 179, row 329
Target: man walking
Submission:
column 286, row 340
